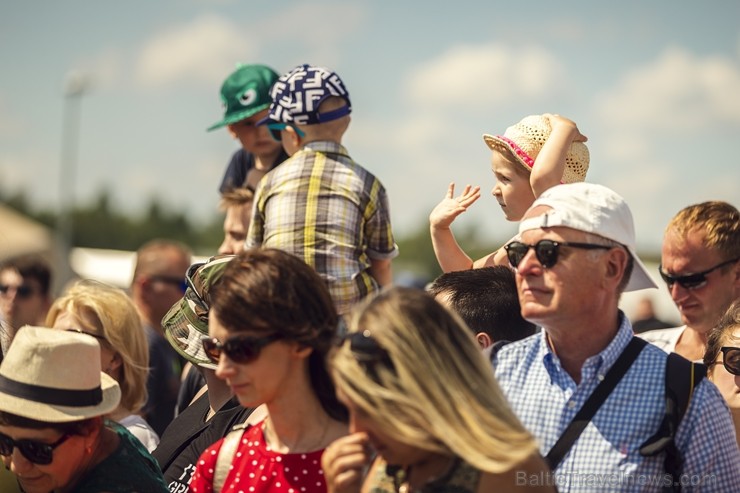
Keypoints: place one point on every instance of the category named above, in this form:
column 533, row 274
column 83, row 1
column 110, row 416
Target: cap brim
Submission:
column 237, row 117
column 184, row 337
column 640, row 279
column 63, row 414
column 495, row 143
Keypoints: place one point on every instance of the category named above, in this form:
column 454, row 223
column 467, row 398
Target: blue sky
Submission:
column 654, row 85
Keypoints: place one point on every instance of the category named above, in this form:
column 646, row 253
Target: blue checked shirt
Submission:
column 606, row 456
column 329, row 211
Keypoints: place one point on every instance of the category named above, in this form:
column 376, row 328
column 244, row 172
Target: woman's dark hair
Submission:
column 718, row 335
column 81, row 427
column 272, row 290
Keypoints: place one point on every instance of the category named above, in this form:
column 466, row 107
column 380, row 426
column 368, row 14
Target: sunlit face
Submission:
column 727, row 383
column 512, row 190
column 254, row 138
column 701, row 307
column 236, row 226
column 564, row 292
column 21, row 309
column 265, row 379
column 64, row 469
column 392, row 451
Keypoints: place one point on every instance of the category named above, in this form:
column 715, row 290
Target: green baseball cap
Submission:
column 245, row 92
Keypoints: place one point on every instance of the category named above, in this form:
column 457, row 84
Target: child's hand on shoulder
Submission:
column 561, row 124
column 449, row 208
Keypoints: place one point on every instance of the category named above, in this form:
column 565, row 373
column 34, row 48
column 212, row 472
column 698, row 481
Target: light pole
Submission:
column 75, row 86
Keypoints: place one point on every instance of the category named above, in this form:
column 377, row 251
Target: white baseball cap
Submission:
column 595, row 209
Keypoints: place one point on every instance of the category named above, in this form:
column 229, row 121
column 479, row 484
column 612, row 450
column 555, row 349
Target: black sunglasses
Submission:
column 547, row 251
column 731, row 359
column 691, row 281
column 37, row 452
column 21, row 292
column 277, row 128
column 366, row 350
column 239, row 349
column 180, row 282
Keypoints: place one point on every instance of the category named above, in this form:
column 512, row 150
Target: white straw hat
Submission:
column 596, row 209
column 525, row 140
column 54, row 376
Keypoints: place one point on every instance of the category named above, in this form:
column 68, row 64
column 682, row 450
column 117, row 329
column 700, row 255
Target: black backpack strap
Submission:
column 594, row 402
column 681, row 378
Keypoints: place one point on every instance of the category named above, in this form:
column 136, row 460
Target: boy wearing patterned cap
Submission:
column 535, row 154
column 245, row 96
column 319, row 204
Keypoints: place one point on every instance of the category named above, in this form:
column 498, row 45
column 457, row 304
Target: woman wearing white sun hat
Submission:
column 53, row 436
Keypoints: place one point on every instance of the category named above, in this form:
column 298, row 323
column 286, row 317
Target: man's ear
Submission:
column 230, row 128
column 616, row 264
column 293, row 137
column 484, row 340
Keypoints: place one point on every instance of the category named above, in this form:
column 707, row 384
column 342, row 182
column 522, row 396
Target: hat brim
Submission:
column 640, row 279
column 496, row 143
column 237, row 117
column 184, row 337
column 50, row 413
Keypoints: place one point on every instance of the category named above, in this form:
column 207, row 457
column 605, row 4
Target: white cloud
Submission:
column 678, row 92
column 198, row 50
column 474, row 76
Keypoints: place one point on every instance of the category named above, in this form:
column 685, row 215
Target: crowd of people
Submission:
column 290, row 362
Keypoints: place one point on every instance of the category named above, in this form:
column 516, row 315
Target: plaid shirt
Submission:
column 606, row 456
column 329, row 211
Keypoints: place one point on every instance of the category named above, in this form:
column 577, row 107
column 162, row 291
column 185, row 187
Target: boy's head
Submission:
column 245, row 92
column 311, row 103
column 524, row 140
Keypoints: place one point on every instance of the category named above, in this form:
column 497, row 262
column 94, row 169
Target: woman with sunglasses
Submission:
column 425, row 411
column 723, row 360
column 271, row 324
column 108, row 314
column 53, row 434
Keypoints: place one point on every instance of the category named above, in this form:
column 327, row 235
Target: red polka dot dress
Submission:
column 257, row 469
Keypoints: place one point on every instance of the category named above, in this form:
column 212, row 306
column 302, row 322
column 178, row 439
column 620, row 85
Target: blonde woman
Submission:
column 108, row 314
column 425, row 412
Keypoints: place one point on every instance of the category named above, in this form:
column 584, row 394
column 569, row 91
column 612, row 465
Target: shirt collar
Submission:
column 326, row 146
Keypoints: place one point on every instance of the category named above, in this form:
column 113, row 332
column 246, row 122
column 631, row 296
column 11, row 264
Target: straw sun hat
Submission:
column 525, row 140
column 54, row 376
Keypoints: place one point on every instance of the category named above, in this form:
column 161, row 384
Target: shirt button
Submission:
column 571, row 404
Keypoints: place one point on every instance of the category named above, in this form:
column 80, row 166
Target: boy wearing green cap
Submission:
column 245, row 96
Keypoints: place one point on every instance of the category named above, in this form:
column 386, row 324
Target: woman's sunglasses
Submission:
column 21, row 292
column 731, row 359
column 239, row 349
column 37, row 452
column 547, row 251
column 366, row 350
column 691, row 281
column 276, row 129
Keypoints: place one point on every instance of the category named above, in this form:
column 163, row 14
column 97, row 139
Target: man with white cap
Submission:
column 575, row 256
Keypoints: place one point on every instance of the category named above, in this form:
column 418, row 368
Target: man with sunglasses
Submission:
column 574, row 257
column 158, row 283
column 25, row 295
column 319, row 204
column 700, row 264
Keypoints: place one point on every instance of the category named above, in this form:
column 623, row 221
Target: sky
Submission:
column 654, row 85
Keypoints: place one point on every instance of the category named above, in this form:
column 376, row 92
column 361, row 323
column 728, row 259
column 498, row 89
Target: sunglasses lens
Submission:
column 515, row 251
column 547, row 252
column 275, row 133
column 212, row 349
column 732, row 360
column 38, row 453
column 242, row 350
column 6, row 445
column 693, row 281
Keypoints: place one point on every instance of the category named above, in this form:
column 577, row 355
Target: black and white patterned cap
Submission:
column 297, row 95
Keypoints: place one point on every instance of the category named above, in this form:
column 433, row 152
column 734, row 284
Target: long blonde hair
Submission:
column 434, row 390
column 114, row 317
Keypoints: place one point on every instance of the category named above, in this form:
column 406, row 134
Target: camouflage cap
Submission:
column 186, row 323
column 245, row 92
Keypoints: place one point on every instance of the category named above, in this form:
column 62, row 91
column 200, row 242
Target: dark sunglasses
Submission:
column 691, row 281
column 22, row 292
column 239, row 349
column 547, row 251
column 37, row 452
column 80, row 331
column 731, row 359
column 366, row 350
column 276, row 128
column 181, row 283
